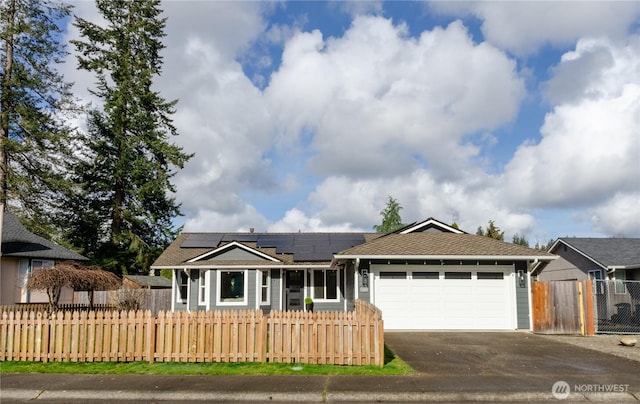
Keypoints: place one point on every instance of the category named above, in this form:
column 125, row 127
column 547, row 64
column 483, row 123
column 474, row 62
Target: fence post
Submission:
column 581, row 308
column 150, row 336
column 589, row 313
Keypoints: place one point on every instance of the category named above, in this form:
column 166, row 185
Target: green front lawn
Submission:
column 393, row 366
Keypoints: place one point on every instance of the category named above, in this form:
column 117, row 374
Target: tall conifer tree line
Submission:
column 35, row 104
column 112, row 195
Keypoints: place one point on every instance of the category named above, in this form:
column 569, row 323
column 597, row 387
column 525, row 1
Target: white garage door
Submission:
column 432, row 298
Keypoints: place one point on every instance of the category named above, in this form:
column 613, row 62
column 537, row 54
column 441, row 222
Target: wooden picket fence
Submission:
column 339, row 338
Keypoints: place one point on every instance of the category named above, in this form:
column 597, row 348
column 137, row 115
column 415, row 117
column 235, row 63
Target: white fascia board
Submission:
column 231, row 245
column 431, row 222
column 612, row 268
column 243, row 266
column 450, row 257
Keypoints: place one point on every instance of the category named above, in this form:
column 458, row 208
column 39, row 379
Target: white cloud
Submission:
column 523, row 27
column 240, row 220
column 590, row 145
column 619, row 216
column 346, row 121
column 340, row 202
column 296, row 220
column 588, row 156
column 398, row 100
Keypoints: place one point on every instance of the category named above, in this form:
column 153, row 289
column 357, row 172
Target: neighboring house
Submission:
column 24, row 253
column 146, row 282
column 610, row 262
column 593, row 258
column 427, row 275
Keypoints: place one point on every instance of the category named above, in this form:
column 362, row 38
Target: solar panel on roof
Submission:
column 311, row 237
column 305, row 246
column 240, row 237
column 201, row 241
column 274, row 240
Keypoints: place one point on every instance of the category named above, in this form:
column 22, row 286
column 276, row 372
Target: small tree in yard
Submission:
column 51, row 280
column 74, row 275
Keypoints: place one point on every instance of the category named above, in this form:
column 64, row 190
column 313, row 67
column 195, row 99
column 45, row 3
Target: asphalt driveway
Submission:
column 510, row 361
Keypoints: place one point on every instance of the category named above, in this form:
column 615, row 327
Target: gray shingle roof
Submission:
column 442, row 245
column 288, row 248
column 17, row 241
column 608, row 252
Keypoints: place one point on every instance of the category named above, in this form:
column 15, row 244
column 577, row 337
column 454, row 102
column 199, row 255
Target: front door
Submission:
column 294, row 290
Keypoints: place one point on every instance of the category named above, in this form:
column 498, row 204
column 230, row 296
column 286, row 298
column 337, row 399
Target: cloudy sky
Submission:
column 309, row 115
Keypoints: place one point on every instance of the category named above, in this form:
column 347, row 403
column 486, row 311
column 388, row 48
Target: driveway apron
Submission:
column 508, row 361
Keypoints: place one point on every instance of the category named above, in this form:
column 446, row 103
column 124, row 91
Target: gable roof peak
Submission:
column 430, row 224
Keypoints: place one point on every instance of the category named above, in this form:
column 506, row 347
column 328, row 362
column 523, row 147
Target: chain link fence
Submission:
column 617, row 306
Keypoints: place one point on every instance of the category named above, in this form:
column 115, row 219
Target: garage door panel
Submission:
column 433, row 302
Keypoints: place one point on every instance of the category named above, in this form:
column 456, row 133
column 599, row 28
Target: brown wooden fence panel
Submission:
column 341, row 338
column 562, row 307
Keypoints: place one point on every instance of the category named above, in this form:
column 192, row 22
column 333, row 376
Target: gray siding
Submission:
column 236, row 254
column 193, row 289
column 349, row 289
column 364, row 293
column 522, row 298
column 276, row 285
column 570, row 266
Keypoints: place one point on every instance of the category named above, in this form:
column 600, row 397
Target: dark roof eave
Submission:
column 450, row 257
column 266, row 265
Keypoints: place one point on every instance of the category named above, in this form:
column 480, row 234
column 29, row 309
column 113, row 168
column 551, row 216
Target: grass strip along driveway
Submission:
column 393, row 366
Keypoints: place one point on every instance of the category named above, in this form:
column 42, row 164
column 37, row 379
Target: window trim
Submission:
column 245, row 301
column 265, row 273
column 591, row 275
column 324, row 277
column 178, row 283
column 24, row 270
column 203, row 288
column 619, row 282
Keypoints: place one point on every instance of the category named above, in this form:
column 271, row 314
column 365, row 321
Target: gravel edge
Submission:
column 607, row 343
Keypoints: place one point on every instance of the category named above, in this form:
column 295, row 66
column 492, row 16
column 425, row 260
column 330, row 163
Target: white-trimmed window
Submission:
column 596, row 277
column 23, row 273
column 620, row 276
column 265, row 287
column 324, row 284
column 232, row 288
column 182, row 283
column 37, row 265
column 202, row 287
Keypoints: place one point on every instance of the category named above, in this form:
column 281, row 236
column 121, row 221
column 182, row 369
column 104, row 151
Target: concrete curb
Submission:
column 214, row 396
column 176, row 396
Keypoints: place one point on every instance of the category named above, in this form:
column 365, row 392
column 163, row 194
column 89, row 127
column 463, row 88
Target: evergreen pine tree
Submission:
column 391, row 220
column 494, row 232
column 122, row 211
column 520, row 240
column 34, row 103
